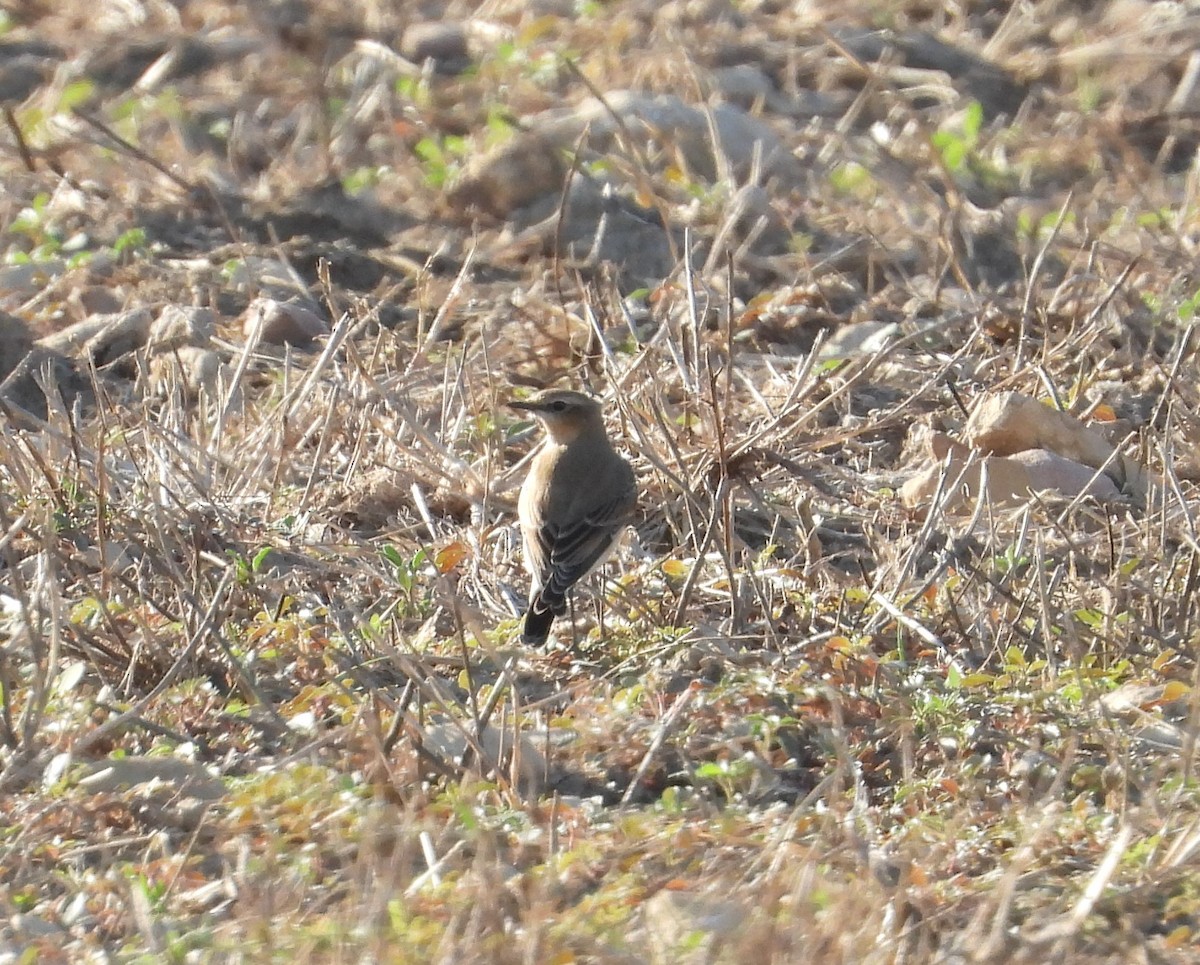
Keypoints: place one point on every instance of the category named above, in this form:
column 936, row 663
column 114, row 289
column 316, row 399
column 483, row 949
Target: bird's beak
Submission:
column 524, row 406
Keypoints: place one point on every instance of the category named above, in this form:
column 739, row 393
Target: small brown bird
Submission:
column 577, row 498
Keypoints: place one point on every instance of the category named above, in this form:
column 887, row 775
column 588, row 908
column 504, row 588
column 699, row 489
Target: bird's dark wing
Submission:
column 574, row 538
column 569, row 553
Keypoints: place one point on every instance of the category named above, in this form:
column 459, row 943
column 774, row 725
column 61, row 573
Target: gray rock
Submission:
column 443, row 42
column 15, row 342
column 283, row 322
column 22, row 390
column 103, row 338
column 178, row 325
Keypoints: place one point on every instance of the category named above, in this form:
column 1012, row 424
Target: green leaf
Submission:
column 428, row 150
column 259, row 558
column 76, row 93
column 132, row 240
column 973, row 121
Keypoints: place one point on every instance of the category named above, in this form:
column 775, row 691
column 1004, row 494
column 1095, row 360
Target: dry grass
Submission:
column 797, row 722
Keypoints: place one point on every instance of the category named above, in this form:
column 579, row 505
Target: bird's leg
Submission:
column 571, row 617
column 599, row 598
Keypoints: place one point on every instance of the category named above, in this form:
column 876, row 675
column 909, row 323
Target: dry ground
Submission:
column 262, row 696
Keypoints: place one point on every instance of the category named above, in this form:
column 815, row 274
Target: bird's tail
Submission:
column 537, row 627
column 540, row 616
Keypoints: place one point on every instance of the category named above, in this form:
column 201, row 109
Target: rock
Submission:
column 683, row 926
column 994, row 87
column 24, row 66
column 103, row 338
column 179, row 325
column 666, row 119
column 1003, row 480
column 510, row 176
column 124, row 62
column 530, row 165
column 597, row 225
column 1009, row 422
column 125, row 773
column 265, row 276
column 22, row 281
column 859, row 338
column 283, row 323
column 755, row 219
column 15, row 342
column 89, row 300
column 448, row 741
column 22, row 389
column 34, row 927
column 443, row 42
column 747, row 85
column 21, row 76
column 199, row 372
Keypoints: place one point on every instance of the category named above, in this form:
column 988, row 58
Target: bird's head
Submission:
column 565, row 414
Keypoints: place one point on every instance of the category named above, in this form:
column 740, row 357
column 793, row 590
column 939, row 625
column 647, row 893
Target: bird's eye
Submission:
column 558, row 406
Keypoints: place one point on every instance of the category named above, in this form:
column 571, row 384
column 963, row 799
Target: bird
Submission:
column 577, row 498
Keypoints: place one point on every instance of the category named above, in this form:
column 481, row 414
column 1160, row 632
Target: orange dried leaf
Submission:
column 1179, row 937
column 535, row 30
column 1175, row 690
column 676, row 569
column 448, row 557
column 1164, row 660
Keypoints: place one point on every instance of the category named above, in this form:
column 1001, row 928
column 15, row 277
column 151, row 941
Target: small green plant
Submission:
column 248, row 569
column 1162, row 218
column 1089, row 93
column 536, row 63
column 1010, row 562
column 1038, row 229
column 407, row 572
column 415, row 90
column 957, row 147
column 231, row 269
column 362, row 178
column 34, row 121
column 731, row 777
column 129, row 115
column 154, row 892
column 441, row 158
column 852, row 179
column 1187, row 308
column 31, row 221
column 34, row 223
column 130, row 243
